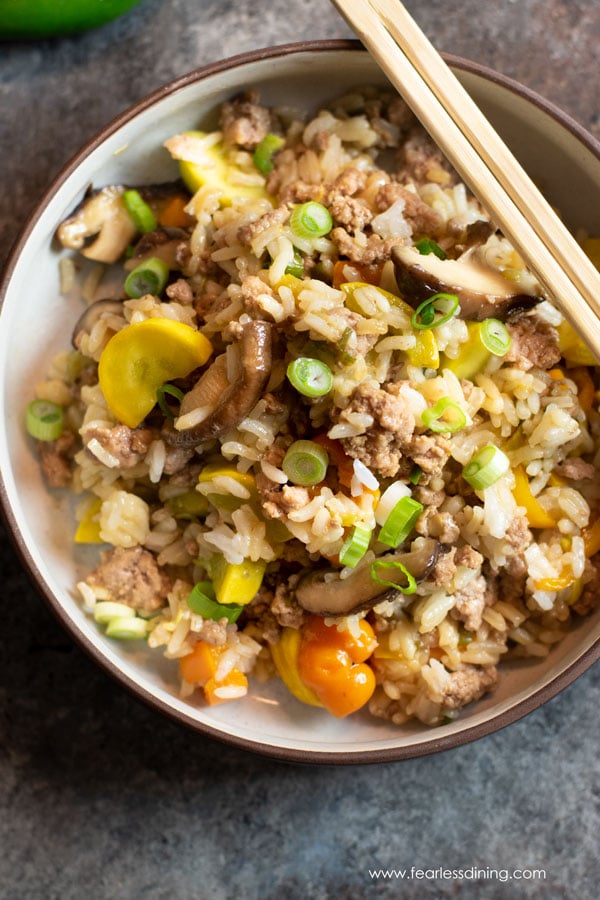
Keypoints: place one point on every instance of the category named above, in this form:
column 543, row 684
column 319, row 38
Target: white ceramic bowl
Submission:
column 34, row 323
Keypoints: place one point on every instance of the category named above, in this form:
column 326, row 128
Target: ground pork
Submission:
column 590, row 596
column 468, row 684
column 534, row 343
column 247, row 233
column 421, row 217
column 471, row 601
column 440, row 525
column 132, row 576
column 392, row 429
column 56, row 459
column 295, row 192
column 375, row 250
column 128, row 445
column 252, row 288
column 214, row 633
column 180, row 291
column 429, row 452
column 423, row 161
column 244, row 121
column 518, row 535
column 350, row 212
column 576, row 469
column 278, row 500
column 445, row 568
column 285, row 608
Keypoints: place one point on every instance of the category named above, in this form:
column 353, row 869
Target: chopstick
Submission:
column 481, row 158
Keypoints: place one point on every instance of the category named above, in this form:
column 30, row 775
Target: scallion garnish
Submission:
column 486, row 467
column 201, row 600
column 164, row 391
column 105, row 610
column 445, row 415
column 265, row 150
column 495, row 336
column 44, row 420
column 409, row 588
column 425, row 316
column 150, row 277
column 296, row 267
column 427, row 246
column 127, row 628
column 400, row 522
column 305, row 463
column 415, row 474
column 310, row 220
column 355, row 546
column 140, row 213
column 310, row 377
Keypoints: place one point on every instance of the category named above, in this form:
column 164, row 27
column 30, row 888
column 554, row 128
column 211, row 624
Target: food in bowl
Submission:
column 323, row 418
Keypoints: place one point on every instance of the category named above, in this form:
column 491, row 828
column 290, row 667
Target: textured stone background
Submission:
column 98, row 791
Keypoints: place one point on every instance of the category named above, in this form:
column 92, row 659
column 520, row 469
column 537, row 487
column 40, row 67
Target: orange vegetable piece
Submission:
column 340, row 459
column 235, row 678
column 585, row 387
column 201, row 664
column 173, row 214
column 344, row 271
column 332, row 664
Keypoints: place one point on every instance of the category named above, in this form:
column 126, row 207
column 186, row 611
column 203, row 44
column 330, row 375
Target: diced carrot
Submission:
column 173, row 214
column 201, row 664
column 343, row 463
column 235, row 679
column 344, row 271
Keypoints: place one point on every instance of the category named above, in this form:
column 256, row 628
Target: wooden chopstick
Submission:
column 481, row 158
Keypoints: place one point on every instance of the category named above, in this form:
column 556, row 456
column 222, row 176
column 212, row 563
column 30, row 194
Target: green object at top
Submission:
column 47, row 18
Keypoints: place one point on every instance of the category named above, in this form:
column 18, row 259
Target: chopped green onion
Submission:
column 415, row 475
column 400, row 522
column 445, row 415
column 44, row 420
column 355, row 546
column 161, row 398
column 426, row 246
column 150, row 277
column 424, row 315
column 495, row 336
column 464, row 637
column 140, row 213
column 310, row 220
column 305, row 463
column 310, row 377
column 105, row 610
column 486, row 467
column 411, row 584
column 201, row 601
column 127, row 628
column 188, row 505
column 265, row 150
column 296, row 267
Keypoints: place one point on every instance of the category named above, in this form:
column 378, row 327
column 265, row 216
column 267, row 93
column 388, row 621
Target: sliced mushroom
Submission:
column 88, row 319
column 226, row 402
column 323, row 592
column 164, row 243
column 482, row 291
column 101, row 215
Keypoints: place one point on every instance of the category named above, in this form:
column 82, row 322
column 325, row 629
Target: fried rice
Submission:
column 499, row 571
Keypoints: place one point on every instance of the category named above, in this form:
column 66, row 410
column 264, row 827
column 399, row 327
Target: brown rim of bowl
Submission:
column 437, row 742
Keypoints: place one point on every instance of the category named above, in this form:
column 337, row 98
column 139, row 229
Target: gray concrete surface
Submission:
column 99, row 796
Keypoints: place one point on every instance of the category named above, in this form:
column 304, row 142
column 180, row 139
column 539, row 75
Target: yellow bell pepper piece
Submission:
column 285, row 657
column 141, row 357
column 591, row 539
column 473, row 356
column 237, row 582
column 88, row 530
column 537, row 516
column 572, row 348
column 565, row 579
column 228, row 501
column 202, row 161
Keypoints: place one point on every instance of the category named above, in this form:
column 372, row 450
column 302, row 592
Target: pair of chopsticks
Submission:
column 482, row 159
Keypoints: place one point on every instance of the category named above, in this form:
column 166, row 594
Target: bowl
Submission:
column 269, row 721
